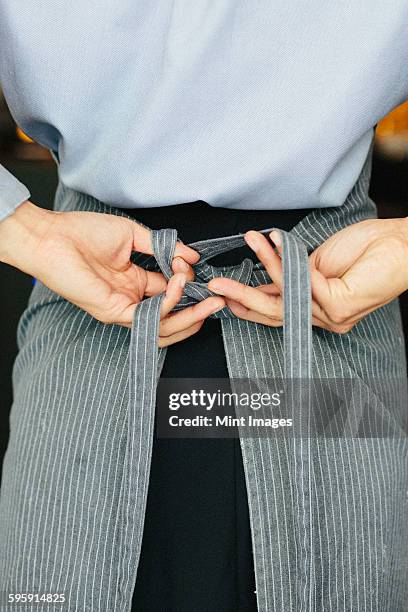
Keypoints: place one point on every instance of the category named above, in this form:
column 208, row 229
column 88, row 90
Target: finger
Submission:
column 250, row 297
column 239, row 311
column 172, row 322
column 316, row 322
column 174, row 292
column 155, row 283
column 168, row 340
column 184, row 319
column 266, row 255
column 277, row 241
column 322, row 290
column 332, row 306
column 252, row 315
column 319, row 317
column 179, row 265
column 143, row 244
column 142, row 241
column 333, row 298
column 244, row 313
column 270, row 289
column 342, row 321
column 187, row 253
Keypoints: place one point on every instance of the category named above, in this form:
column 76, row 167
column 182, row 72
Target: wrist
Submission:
column 21, row 232
column 403, row 233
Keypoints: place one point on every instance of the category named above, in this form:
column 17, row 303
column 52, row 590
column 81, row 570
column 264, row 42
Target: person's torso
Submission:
column 263, row 104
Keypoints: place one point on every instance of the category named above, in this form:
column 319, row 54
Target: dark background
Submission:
column 389, row 189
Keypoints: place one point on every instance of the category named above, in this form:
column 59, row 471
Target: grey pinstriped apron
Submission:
column 328, row 515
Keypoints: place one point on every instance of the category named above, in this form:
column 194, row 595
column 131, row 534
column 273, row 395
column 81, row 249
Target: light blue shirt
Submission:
column 240, row 103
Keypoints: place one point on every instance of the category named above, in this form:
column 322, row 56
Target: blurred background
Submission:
column 34, row 166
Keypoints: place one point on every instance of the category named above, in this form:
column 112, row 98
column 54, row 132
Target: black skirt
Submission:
column 196, row 551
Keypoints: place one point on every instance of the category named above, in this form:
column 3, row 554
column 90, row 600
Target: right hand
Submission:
column 85, row 258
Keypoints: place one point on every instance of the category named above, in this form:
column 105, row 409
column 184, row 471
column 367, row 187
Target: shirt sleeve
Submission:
column 12, row 193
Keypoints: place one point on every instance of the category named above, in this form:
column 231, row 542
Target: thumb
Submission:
column 155, row 283
column 320, row 287
column 141, row 239
column 329, row 293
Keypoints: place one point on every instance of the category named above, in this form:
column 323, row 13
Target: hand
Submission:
column 359, row 269
column 85, row 258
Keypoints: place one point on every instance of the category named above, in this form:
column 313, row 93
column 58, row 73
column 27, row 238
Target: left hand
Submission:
column 356, row 271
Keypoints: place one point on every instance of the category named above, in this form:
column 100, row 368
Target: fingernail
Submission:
column 252, row 241
column 181, row 264
column 276, row 238
column 182, row 281
column 215, row 286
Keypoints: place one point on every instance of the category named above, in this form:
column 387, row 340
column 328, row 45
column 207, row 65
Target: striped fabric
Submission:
column 328, row 515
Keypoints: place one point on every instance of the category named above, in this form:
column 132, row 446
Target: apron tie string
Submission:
column 146, row 360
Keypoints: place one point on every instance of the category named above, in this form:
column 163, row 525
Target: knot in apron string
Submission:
column 297, row 305
column 164, row 244
column 296, row 287
column 146, row 361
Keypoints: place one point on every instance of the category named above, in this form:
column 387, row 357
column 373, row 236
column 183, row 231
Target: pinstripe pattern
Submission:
column 328, row 515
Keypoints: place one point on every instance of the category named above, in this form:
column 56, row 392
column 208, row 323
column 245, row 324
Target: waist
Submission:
column 200, row 221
